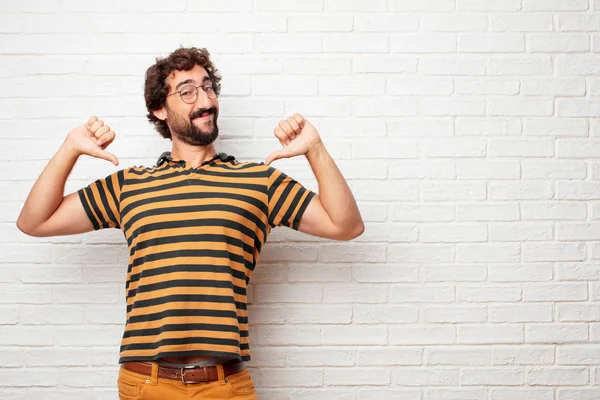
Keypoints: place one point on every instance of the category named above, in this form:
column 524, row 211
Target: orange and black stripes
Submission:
column 194, row 237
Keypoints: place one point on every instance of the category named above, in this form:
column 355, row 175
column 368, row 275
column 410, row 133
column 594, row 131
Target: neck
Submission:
column 193, row 155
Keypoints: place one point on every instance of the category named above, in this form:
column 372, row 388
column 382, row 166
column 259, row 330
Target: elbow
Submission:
column 353, row 232
column 28, row 230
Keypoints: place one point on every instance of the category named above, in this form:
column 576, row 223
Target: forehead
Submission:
column 195, row 75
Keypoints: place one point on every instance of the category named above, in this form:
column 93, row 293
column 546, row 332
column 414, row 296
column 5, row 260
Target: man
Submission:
column 195, row 224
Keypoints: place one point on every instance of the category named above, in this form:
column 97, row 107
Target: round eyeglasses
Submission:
column 189, row 93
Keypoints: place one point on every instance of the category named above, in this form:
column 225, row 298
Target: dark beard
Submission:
column 188, row 133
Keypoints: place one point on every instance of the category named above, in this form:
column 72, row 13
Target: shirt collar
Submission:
column 166, row 157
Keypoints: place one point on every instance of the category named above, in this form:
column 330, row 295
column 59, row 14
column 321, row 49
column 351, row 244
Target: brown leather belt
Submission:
column 191, row 374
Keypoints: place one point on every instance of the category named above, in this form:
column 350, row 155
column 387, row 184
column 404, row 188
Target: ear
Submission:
column 161, row 113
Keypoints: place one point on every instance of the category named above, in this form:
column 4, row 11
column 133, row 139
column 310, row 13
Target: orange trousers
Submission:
column 134, row 386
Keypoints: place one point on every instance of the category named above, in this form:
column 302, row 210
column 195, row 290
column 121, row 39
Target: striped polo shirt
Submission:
column 194, row 236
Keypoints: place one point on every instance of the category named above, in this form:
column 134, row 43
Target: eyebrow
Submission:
column 204, row 79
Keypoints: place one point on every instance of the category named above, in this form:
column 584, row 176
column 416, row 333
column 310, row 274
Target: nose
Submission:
column 203, row 101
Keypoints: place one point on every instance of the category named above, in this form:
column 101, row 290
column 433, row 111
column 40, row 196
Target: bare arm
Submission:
column 333, row 213
column 47, row 212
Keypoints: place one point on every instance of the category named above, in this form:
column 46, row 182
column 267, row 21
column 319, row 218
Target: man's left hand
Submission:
column 297, row 136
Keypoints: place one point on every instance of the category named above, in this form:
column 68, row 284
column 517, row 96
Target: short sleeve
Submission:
column 101, row 201
column 288, row 199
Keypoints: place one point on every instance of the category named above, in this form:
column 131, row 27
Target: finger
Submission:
column 275, row 155
column 300, row 120
column 91, row 121
column 281, row 135
column 287, row 129
column 106, row 156
column 106, row 139
column 295, row 125
column 95, row 126
column 101, row 131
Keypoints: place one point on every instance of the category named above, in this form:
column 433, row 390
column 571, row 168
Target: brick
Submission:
column 491, row 253
column 506, row 293
column 357, row 376
column 421, row 294
column 487, row 212
column 555, row 333
column 524, row 107
column 389, row 356
column 354, row 335
column 557, row 376
column 277, row 293
column 369, row 22
column 422, row 213
column 455, row 22
column 420, row 169
column 490, row 334
column 454, row 314
column 521, row 65
column 578, row 108
column 487, row 86
column 423, row 43
column 520, row 273
column 555, row 5
column 521, row 22
column 422, row 253
column 488, row 5
column 355, row 5
column 555, row 127
column 451, row 273
column 452, row 147
column 452, row 233
column 521, row 394
column 491, row 42
column 520, row 232
column 553, row 87
column 553, row 211
column 553, row 252
column 488, row 169
column 521, row 313
column 355, row 43
column 418, row 334
column 464, row 64
column 457, row 355
column 318, row 356
column 392, row 273
column 523, row 355
column 530, row 190
column 491, row 376
column 553, row 169
column 425, row 376
column 378, row 314
column 578, row 312
column 318, row 314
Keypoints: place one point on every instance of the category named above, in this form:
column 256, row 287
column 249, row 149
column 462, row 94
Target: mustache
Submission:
column 198, row 113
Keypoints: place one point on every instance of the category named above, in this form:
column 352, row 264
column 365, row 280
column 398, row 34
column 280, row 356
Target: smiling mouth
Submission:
column 204, row 116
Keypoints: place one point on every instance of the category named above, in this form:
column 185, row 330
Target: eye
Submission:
column 207, row 89
column 187, row 92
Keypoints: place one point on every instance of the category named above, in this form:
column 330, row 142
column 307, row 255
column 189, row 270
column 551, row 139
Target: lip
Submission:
column 205, row 118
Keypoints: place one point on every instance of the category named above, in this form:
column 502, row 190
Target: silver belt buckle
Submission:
column 183, row 369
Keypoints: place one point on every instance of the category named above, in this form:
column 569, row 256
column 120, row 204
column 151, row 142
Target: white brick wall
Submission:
column 468, row 130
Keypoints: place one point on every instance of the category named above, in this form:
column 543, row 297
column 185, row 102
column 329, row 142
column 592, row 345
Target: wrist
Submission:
column 68, row 151
column 315, row 148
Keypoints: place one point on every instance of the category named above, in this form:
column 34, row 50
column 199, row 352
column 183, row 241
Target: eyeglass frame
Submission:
column 215, row 87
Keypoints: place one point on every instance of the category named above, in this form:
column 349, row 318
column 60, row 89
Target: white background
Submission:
column 468, row 130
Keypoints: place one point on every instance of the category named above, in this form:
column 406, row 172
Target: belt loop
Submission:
column 154, row 375
column 221, row 373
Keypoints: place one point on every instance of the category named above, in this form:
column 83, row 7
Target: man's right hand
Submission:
column 92, row 139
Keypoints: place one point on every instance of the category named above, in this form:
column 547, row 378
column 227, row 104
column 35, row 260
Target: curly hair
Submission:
column 156, row 88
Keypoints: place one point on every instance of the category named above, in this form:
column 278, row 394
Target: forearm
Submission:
column 48, row 191
column 334, row 193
